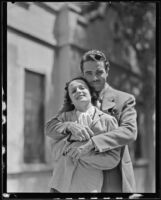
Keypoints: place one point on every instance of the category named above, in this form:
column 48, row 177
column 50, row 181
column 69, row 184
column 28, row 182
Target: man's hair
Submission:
column 94, row 95
column 94, row 55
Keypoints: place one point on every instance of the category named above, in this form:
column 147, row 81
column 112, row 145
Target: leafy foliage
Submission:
column 137, row 26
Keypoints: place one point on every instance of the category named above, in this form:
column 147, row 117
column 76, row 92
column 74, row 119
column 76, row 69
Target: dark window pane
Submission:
column 34, row 118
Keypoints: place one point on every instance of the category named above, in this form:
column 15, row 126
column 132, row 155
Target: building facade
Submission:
column 45, row 41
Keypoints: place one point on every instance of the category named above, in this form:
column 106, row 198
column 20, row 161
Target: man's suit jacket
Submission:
column 120, row 105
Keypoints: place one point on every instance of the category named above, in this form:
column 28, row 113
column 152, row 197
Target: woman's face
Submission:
column 79, row 92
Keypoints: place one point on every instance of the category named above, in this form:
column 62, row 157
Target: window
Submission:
column 34, row 118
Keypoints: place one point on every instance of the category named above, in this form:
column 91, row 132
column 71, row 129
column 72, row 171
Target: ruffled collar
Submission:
column 85, row 118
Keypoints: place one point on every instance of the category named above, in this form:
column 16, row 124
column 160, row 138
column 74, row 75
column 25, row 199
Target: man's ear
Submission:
column 107, row 65
column 108, row 69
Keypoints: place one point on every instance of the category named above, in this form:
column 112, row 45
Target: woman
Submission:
column 84, row 174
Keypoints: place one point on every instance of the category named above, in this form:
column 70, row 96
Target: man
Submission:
column 95, row 67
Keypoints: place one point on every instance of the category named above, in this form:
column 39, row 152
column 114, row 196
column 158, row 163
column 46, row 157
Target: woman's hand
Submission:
column 79, row 132
column 75, row 151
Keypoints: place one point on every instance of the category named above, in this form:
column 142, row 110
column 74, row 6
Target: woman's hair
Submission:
column 68, row 101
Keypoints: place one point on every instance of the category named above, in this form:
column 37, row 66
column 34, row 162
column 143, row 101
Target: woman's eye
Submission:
column 81, row 87
column 73, row 91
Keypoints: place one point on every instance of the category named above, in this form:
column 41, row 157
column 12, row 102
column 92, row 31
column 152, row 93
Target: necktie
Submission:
column 99, row 103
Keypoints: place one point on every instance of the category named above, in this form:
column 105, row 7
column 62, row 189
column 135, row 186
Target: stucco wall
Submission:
column 23, row 54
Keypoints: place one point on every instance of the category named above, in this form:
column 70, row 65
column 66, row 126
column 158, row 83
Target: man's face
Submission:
column 95, row 73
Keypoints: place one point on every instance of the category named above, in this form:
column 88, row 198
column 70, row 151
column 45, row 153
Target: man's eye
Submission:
column 99, row 72
column 88, row 73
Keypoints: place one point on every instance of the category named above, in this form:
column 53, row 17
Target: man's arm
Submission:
column 102, row 161
column 84, row 152
column 59, row 127
column 124, row 134
column 56, row 129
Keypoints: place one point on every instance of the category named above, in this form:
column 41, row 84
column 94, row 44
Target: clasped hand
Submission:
column 77, row 149
column 79, row 132
column 82, row 145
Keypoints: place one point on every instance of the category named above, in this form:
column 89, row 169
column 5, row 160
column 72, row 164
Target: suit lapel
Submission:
column 108, row 100
column 96, row 118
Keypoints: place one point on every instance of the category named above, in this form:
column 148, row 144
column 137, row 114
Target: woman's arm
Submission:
column 102, row 161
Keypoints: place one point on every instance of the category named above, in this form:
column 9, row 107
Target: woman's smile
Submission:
column 80, row 96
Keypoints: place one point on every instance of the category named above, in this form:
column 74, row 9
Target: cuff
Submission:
column 98, row 147
column 94, row 145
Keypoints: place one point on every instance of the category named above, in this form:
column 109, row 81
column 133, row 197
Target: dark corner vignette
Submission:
column 4, row 93
column 31, row 196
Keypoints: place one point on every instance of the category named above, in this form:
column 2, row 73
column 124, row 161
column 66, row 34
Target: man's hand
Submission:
column 75, row 151
column 79, row 132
